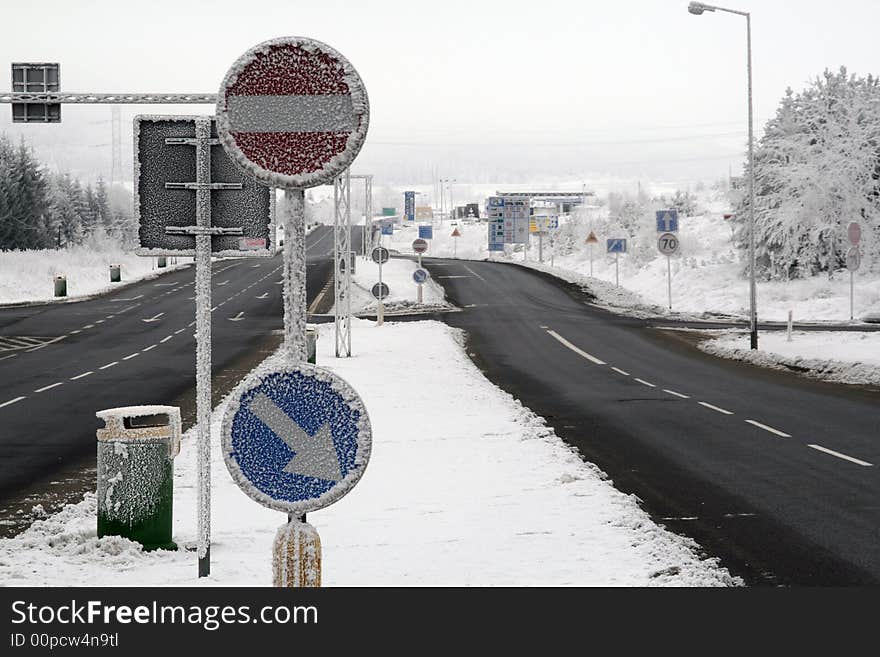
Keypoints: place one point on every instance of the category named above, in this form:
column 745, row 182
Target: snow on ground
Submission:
column 397, row 275
column 30, row 275
column 839, row 356
column 465, row 487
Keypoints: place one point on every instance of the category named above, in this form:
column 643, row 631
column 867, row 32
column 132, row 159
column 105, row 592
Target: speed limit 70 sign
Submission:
column 668, row 244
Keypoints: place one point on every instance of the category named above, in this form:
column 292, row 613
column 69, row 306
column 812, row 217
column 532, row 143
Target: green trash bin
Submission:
column 115, row 273
column 162, row 262
column 61, row 286
column 136, row 451
column 312, row 345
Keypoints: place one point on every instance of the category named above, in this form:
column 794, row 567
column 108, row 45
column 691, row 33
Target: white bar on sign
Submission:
column 291, row 113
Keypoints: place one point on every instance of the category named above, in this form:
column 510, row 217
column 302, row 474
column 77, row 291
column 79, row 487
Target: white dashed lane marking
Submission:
column 12, row 401
column 109, row 365
column 165, row 339
column 152, row 346
column 49, row 387
column 770, row 429
column 645, row 383
column 81, row 376
column 715, row 408
column 130, row 356
column 575, row 349
column 620, row 371
column 676, row 394
column 841, row 456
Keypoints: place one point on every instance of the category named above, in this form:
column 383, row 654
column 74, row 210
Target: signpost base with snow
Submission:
column 296, row 556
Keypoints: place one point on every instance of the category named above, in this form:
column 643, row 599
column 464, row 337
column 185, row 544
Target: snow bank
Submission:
column 465, row 487
column 839, row 356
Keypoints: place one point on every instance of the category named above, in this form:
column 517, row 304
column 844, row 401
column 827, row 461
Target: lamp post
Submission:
column 698, row 8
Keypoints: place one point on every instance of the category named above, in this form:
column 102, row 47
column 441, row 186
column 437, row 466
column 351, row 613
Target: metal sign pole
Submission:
column 851, row 297
column 541, row 248
column 591, row 260
column 203, row 341
column 295, row 276
column 669, row 279
column 617, row 268
column 380, row 311
column 342, row 266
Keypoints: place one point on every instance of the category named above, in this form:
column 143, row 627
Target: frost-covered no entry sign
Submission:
column 296, row 439
column 292, row 112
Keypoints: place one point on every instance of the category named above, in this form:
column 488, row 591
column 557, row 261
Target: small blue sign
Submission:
column 667, row 221
column 496, row 246
column 388, row 229
column 409, row 205
column 296, row 439
column 426, row 232
column 616, row 245
column 420, row 276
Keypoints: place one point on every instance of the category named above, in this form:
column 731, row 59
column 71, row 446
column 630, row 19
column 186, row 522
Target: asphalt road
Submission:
column 774, row 473
column 134, row 346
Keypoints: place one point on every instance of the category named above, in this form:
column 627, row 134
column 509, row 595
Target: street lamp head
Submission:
column 698, row 8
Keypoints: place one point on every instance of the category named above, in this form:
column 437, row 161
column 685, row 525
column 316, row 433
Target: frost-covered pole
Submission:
column 669, row 279
column 380, row 309
column 203, row 341
column 295, row 276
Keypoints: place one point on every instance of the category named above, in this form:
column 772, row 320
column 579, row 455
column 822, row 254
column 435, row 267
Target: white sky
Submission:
column 556, row 88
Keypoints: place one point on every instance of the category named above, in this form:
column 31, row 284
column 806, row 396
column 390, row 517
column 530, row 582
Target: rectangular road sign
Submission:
column 515, row 213
column 424, row 212
column 496, row 233
column 616, row 245
column 164, row 183
column 409, row 206
column 389, row 212
column 667, row 221
column 388, row 228
column 36, row 78
column 426, row 232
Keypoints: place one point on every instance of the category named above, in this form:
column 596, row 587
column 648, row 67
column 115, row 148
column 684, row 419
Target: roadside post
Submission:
column 616, row 246
column 169, row 152
column 591, row 241
column 296, row 439
column 455, row 235
column 853, row 261
column 420, row 276
column 293, row 113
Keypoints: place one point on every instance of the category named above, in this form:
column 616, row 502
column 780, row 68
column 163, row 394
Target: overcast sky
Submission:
column 555, row 88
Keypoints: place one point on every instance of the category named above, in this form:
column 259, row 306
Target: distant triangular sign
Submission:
column 455, row 233
column 591, row 238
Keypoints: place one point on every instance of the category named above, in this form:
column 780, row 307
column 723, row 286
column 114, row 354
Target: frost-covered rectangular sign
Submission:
column 164, row 192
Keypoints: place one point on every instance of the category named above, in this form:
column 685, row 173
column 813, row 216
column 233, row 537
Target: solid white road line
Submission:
column 9, row 356
column 620, row 371
column 81, row 376
column 676, row 394
column 841, row 456
column 579, row 352
column 645, row 383
column 770, row 429
column 11, row 401
column 109, row 365
column 45, row 388
column 130, row 356
column 715, row 408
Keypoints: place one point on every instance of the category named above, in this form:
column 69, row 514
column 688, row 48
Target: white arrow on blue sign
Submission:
column 616, row 245
column 667, row 221
column 296, row 439
column 420, row 276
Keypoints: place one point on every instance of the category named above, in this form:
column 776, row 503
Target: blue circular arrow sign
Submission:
column 296, row 439
column 420, row 276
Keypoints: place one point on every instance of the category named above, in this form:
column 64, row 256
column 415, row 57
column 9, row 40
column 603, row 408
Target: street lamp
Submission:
column 697, row 8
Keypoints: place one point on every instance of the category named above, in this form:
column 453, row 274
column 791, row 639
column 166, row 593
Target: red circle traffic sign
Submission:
column 419, row 245
column 292, row 112
column 854, row 232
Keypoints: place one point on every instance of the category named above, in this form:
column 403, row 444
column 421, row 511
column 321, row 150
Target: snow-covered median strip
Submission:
column 838, row 356
column 465, row 487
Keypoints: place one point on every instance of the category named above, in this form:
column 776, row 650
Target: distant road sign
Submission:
column 380, row 255
column 426, row 232
column 165, row 170
column 854, row 232
column 409, row 205
column 591, row 238
column 616, row 245
column 388, row 228
column 668, row 244
column 389, row 212
column 424, row 212
column 296, row 439
column 420, row 276
column 667, row 221
column 455, row 233
column 853, row 259
column 292, row 112
column 419, row 246
column 380, row 291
